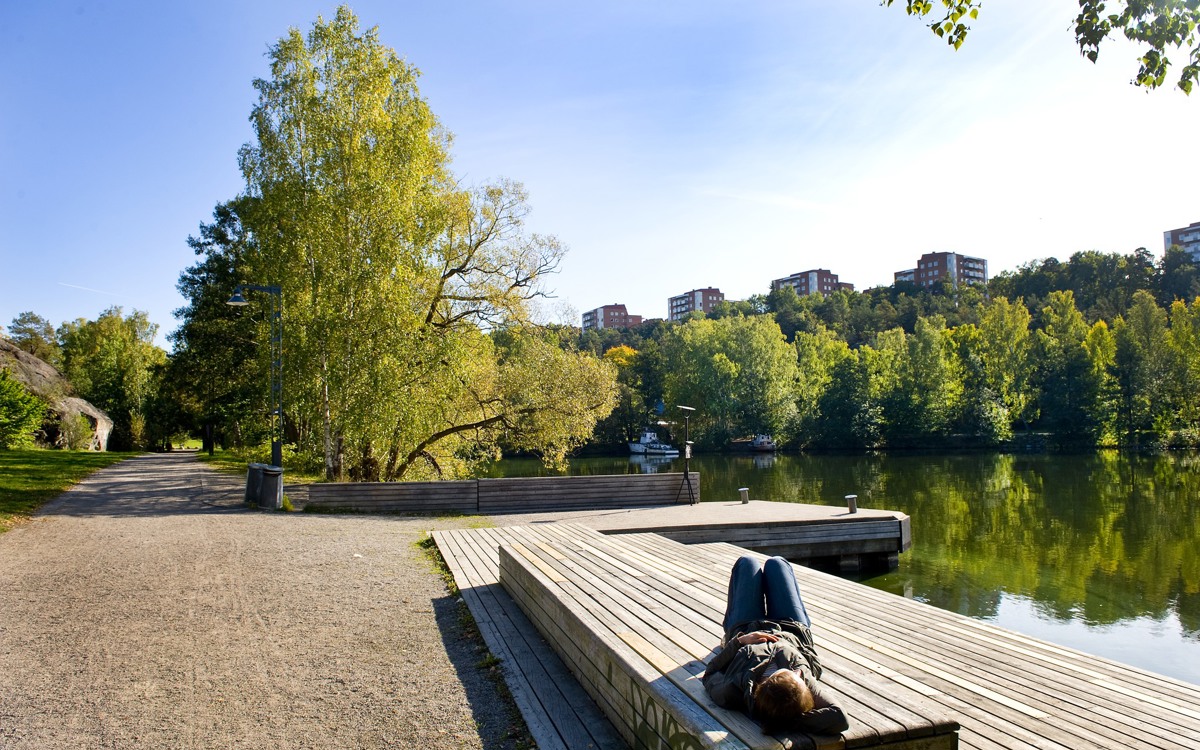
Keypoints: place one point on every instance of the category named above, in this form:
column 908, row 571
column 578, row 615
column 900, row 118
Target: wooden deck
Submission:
column 637, row 631
column 1005, row 689
column 822, row 535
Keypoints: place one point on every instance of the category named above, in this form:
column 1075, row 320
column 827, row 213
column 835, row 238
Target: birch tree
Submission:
column 392, row 275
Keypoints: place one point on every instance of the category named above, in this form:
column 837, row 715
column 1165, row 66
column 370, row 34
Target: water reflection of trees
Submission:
column 1101, row 537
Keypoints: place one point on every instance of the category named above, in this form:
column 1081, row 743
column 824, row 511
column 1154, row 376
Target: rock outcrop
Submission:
column 48, row 384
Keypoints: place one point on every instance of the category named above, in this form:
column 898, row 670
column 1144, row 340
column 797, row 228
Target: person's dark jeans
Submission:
column 760, row 591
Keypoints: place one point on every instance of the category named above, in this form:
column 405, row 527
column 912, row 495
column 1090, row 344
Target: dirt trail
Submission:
column 146, row 608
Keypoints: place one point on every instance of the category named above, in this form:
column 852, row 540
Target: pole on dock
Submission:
column 745, row 493
column 852, row 503
column 687, row 451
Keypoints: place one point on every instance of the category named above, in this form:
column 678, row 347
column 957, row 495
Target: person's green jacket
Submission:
column 731, row 675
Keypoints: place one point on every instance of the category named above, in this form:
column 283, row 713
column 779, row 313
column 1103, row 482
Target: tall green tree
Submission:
column 1178, row 276
column 1142, row 368
column 34, row 334
column 849, row 416
column 739, row 373
column 817, row 355
column 1183, row 382
column 625, row 421
column 1006, row 355
column 932, row 379
column 392, row 275
column 1068, row 387
column 1104, row 283
column 109, row 361
column 1101, row 347
column 793, row 314
column 218, row 377
column 984, row 413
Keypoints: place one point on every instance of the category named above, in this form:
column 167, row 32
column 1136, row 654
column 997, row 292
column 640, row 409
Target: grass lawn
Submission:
column 28, row 478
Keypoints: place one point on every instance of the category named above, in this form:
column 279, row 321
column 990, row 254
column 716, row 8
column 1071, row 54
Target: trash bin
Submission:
column 270, row 496
column 254, row 475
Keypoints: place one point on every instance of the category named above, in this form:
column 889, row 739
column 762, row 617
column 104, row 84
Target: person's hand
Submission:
column 757, row 636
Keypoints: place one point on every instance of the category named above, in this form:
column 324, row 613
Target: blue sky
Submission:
column 670, row 145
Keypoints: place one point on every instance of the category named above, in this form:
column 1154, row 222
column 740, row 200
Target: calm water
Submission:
column 1099, row 552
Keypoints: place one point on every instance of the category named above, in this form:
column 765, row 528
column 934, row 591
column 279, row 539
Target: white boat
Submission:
column 649, row 444
column 757, row 444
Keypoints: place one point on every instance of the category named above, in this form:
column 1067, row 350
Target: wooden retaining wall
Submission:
column 496, row 496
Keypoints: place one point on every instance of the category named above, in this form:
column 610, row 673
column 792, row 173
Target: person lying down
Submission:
column 767, row 666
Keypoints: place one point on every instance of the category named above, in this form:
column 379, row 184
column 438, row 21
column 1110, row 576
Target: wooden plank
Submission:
column 1080, row 713
column 585, row 709
column 829, row 633
column 916, row 726
column 643, row 717
column 609, row 613
column 557, row 710
column 546, row 732
column 829, row 637
column 595, row 613
column 503, row 495
column 1032, row 684
column 894, row 696
column 645, row 619
column 1033, row 678
column 1053, row 698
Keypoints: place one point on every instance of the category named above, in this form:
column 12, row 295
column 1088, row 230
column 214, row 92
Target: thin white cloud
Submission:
column 88, row 289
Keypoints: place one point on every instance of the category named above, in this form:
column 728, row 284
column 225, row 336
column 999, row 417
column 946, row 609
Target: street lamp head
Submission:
column 688, row 409
column 237, row 300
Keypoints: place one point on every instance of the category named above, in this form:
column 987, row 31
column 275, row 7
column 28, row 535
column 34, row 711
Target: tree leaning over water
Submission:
column 395, row 280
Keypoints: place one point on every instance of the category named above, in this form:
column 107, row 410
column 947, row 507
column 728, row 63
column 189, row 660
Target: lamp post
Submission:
column 237, row 300
column 687, row 450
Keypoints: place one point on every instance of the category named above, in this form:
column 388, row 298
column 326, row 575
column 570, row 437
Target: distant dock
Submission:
column 828, row 536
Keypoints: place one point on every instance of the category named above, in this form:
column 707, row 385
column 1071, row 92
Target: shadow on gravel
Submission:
column 152, row 485
column 500, row 724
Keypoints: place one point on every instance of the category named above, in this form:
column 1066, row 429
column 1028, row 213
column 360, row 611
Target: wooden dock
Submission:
column 821, row 535
column 1004, row 689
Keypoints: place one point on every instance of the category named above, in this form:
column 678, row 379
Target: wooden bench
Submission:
column 497, row 496
column 597, row 491
column 637, row 626
column 393, row 497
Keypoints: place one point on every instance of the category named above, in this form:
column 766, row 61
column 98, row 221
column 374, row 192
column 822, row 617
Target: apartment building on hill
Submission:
column 704, row 300
column 1186, row 237
column 816, row 281
column 609, row 316
column 933, row 267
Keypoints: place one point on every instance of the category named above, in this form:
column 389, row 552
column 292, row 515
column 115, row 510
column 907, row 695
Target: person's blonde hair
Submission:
column 780, row 699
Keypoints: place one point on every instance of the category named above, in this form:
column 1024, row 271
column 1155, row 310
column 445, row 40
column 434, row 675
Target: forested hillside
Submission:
column 1100, row 350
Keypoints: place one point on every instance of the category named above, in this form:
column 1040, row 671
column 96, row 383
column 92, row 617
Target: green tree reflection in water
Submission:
column 1107, row 540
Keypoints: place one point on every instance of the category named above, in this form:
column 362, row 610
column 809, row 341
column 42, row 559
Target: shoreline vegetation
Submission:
column 880, row 370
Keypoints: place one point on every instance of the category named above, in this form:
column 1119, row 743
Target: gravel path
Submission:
column 146, row 608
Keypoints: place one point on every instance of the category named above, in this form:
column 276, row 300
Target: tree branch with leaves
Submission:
column 1156, row 25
